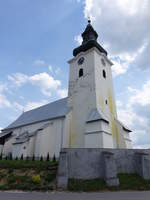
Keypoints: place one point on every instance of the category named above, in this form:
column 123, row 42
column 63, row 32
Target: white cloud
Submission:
column 50, row 68
column 123, row 28
column 58, row 70
column 78, row 39
column 39, row 62
column 18, row 107
column 32, row 105
column 44, row 81
column 62, row 93
column 4, row 102
column 135, row 113
column 18, row 79
column 141, row 96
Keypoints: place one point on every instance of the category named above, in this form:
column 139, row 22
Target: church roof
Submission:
column 125, row 128
column 56, row 109
column 95, row 115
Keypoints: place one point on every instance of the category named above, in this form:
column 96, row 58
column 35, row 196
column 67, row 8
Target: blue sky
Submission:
column 37, row 39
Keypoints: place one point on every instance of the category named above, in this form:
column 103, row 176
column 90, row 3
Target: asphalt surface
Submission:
column 75, row 196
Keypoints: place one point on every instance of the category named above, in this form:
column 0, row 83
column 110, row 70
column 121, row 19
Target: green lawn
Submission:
column 127, row 182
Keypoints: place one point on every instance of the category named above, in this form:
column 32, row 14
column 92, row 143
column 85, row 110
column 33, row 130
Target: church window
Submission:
column 106, row 102
column 80, row 72
column 104, row 73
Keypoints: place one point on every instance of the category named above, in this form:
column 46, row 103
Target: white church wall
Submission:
column 105, row 127
column 107, row 140
column 49, row 140
column 93, row 135
column 66, row 131
column 106, row 135
column 29, row 128
column 20, row 149
column 31, row 146
column 93, row 140
column 8, row 147
column 128, row 144
column 17, row 150
column 94, row 126
column 1, row 148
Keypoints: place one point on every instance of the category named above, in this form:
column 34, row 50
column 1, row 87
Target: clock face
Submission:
column 103, row 62
column 81, row 61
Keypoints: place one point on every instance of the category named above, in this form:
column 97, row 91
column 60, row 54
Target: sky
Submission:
column 37, row 39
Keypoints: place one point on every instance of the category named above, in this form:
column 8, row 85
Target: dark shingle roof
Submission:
column 49, row 111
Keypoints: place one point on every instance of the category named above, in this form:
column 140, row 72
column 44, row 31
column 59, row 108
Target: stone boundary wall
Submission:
column 101, row 163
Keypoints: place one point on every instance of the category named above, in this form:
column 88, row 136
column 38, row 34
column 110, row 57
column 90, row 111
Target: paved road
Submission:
column 75, row 196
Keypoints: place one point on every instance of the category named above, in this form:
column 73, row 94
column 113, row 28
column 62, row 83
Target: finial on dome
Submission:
column 89, row 20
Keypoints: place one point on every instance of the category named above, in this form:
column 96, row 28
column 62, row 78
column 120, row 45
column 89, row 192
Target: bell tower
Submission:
column 91, row 96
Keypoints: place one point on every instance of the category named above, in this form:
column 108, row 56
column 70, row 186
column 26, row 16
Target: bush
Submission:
column 36, row 179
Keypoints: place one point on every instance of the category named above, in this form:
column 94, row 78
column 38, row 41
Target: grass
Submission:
column 86, row 185
column 20, row 175
column 18, row 164
column 127, row 182
column 133, row 182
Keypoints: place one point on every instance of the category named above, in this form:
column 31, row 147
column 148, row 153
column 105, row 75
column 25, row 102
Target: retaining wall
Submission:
column 101, row 163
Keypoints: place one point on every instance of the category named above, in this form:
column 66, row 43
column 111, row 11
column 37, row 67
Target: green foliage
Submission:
column 6, row 157
column 36, row 179
column 133, row 182
column 48, row 158
column 16, row 158
column 86, row 185
column 50, row 177
column 127, row 182
column 20, row 175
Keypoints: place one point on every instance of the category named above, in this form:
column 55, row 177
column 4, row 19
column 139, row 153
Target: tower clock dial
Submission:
column 81, row 61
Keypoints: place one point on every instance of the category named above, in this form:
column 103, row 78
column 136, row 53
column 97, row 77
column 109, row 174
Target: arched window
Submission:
column 104, row 73
column 80, row 72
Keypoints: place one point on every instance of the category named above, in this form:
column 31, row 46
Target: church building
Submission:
column 87, row 118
